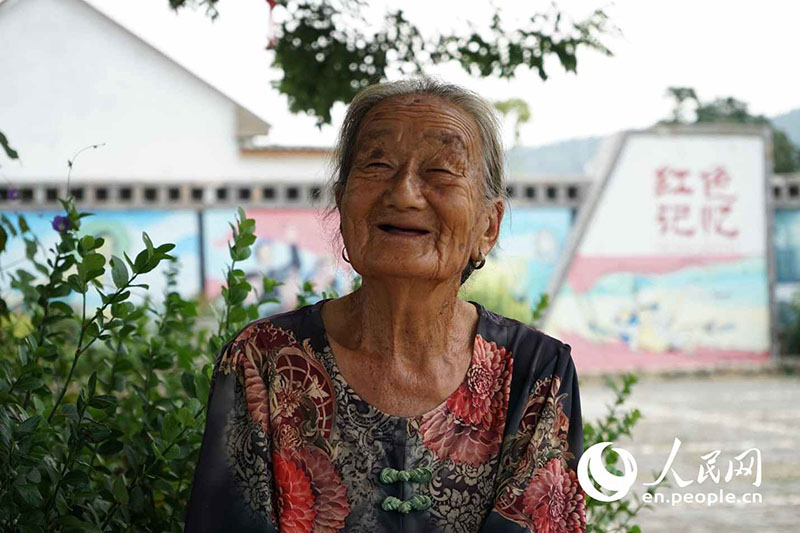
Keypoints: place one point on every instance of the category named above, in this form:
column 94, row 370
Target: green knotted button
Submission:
column 417, row 502
column 417, row 475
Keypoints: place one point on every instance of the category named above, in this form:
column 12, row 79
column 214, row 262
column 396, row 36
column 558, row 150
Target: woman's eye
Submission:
column 378, row 165
column 439, row 170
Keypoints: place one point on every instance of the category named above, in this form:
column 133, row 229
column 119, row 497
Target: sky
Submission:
column 719, row 47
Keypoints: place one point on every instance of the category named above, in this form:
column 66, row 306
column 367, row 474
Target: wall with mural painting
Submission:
column 678, row 276
column 668, row 264
column 787, row 266
column 121, row 232
column 293, row 246
column 518, row 269
column 297, row 245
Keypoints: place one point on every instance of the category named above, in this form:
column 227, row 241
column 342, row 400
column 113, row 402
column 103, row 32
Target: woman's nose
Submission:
column 404, row 190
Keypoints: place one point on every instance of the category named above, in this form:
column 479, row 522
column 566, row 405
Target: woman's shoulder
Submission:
column 533, row 350
column 269, row 334
column 521, row 334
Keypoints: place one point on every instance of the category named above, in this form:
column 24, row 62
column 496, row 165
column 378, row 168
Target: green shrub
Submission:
column 616, row 516
column 102, row 411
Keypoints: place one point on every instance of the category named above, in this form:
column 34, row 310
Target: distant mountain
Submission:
column 561, row 158
column 790, row 124
column 569, row 157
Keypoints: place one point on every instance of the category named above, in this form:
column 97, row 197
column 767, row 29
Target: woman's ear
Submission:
column 495, row 214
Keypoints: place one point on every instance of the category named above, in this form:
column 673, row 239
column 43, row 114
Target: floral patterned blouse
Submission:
column 290, row 447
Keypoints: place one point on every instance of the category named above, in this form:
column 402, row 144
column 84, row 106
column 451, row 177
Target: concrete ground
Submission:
column 729, row 413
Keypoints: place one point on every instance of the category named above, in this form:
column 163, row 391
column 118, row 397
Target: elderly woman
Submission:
column 398, row 407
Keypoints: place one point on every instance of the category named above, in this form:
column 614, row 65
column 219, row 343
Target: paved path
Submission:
column 730, row 414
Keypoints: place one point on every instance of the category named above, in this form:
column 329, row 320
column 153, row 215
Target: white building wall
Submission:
column 72, row 77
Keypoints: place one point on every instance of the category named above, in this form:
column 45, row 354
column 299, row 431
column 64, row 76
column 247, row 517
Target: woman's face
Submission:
column 413, row 205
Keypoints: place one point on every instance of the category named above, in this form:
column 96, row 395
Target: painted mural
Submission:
column 671, row 268
column 293, row 246
column 518, row 269
column 121, row 232
column 787, row 267
column 676, row 277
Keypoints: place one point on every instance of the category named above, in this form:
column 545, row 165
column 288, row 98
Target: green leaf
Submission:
column 141, row 260
column 187, row 380
column 170, row 428
column 22, row 223
column 97, row 433
column 10, row 152
column 29, row 494
column 148, row 243
column 110, row 447
column 76, row 284
column 92, row 383
column 186, row 418
column 120, row 491
column 29, row 382
column 29, row 425
column 71, row 521
column 202, row 386
column 76, row 478
column 239, row 253
column 164, row 248
column 171, row 453
column 104, row 401
column 131, row 264
column 194, row 406
column 238, row 314
column 119, row 272
column 86, row 243
column 94, row 261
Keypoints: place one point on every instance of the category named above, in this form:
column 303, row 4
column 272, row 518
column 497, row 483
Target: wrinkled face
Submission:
column 414, row 204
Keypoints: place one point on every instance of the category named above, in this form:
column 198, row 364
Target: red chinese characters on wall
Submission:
column 689, row 204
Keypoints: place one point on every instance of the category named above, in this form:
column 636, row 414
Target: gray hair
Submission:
column 468, row 101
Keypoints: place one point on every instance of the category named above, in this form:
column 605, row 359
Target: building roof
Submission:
column 249, row 122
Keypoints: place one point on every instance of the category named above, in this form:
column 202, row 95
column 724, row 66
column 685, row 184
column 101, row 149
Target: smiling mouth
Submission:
column 397, row 230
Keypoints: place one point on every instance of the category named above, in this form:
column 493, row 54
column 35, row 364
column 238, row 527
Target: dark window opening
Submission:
column 776, row 192
column 197, row 194
column 572, row 192
column 26, row 194
column 510, row 191
column 244, row 193
column 174, row 193
column 51, row 194
column 315, row 192
column 150, row 194
column 222, row 193
column 268, row 193
column 292, row 193
column 125, row 194
column 530, row 192
column 77, row 193
column 793, row 191
column 101, row 194
column 551, row 192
